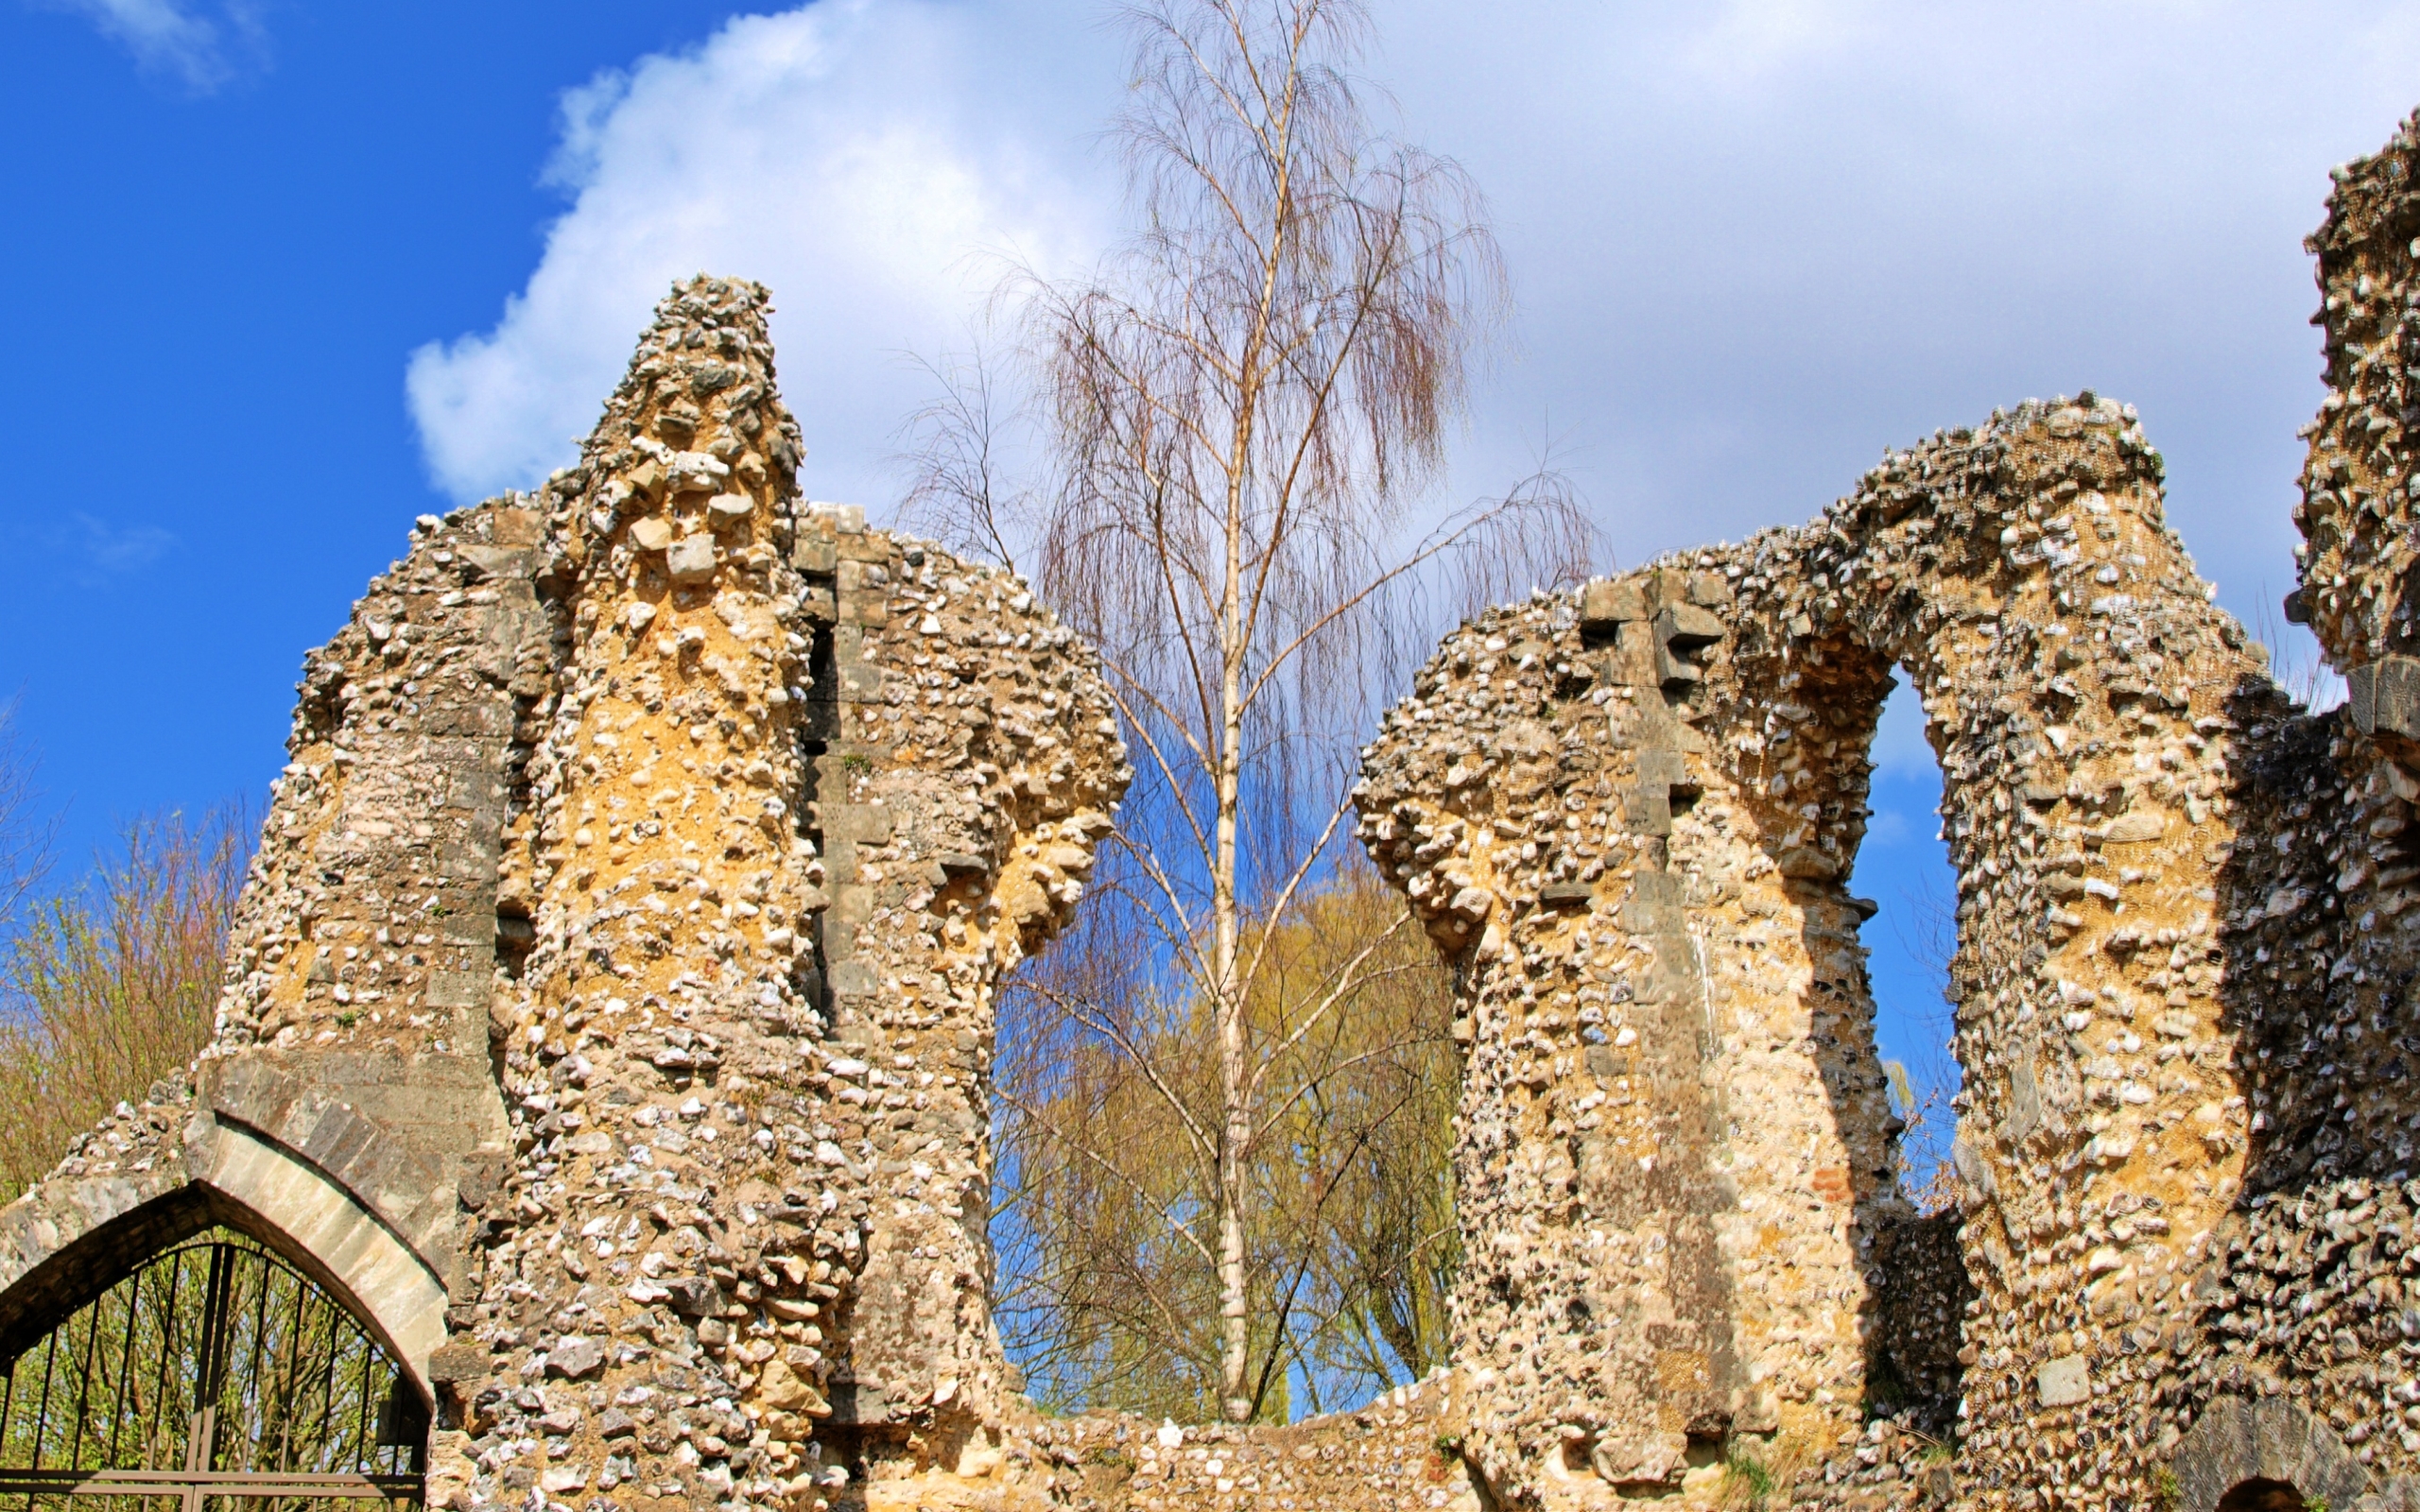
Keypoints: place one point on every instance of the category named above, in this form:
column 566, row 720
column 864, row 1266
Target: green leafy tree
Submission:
column 109, row 987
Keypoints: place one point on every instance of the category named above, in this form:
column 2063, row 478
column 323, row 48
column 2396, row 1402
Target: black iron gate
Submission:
column 215, row 1371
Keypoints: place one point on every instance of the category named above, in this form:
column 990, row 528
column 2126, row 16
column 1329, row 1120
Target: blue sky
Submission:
column 293, row 272
column 217, row 287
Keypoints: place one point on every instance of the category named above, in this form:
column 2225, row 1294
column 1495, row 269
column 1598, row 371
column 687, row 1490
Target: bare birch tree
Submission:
column 1351, row 1237
column 1243, row 413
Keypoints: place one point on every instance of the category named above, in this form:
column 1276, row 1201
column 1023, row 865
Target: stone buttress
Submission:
column 805, row 792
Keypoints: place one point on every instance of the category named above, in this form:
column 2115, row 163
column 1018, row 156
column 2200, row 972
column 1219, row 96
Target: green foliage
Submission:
column 113, row 985
column 1747, row 1479
column 1106, row 1302
column 2166, row 1495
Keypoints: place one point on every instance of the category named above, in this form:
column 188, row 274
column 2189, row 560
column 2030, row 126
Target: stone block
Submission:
column 1806, row 864
column 1647, row 808
column 856, row 979
column 853, row 823
column 462, row 1360
column 518, row 527
column 1631, row 661
column 860, row 1402
column 691, row 559
column 1606, row 602
column 2064, row 1381
column 457, row 989
column 2384, row 696
column 1654, row 905
column 1687, row 626
column 484, row 562
column 1666, row 768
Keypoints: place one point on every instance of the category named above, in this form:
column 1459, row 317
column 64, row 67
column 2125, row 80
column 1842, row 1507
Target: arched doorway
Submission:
column 210, row 1370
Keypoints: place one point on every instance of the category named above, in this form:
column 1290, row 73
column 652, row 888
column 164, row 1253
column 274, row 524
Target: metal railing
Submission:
column 212, row 1371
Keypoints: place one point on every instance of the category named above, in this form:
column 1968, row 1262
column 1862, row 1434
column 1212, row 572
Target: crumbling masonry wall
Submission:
column 1633, row 808
column 2184, row 983
column 609, row 1012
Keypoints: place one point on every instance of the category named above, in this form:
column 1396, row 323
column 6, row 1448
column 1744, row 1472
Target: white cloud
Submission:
column 867, row 160
column 110, row 548
column 1759, row 241
column 1755, row 241
column 88, row 551
column 172, row 38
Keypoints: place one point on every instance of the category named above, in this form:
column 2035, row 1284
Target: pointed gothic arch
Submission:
column 1632, row 813
column 285, row 1329
column 209, row 1366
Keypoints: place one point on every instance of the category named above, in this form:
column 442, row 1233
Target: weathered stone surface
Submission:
column 610, row 1009
column 2383, row 697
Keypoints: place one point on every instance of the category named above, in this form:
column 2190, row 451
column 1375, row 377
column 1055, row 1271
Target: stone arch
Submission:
column 2264, row 1454
column 73, row 1237
column 1632, row 811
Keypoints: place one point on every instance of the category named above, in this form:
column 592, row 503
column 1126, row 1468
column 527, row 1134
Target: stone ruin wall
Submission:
column 1633, row 809
column 2184, row 983
column 609, row 1013
column 615, row 978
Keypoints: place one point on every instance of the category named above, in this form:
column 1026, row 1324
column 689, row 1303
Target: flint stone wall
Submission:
column 608, row 1015
column 2184, row 983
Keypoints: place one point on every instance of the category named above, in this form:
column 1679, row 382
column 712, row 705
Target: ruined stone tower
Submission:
column 610, row 1009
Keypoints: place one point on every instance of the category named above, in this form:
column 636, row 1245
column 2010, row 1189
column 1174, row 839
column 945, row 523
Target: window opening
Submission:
column 1903, row 868
column 2261, row 1495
